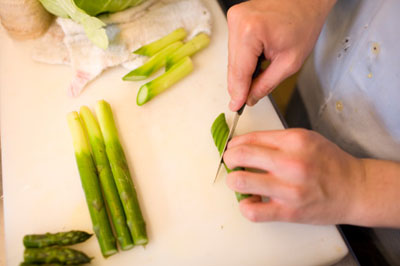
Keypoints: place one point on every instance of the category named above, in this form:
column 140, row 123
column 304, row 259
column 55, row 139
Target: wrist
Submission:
column 375, row 196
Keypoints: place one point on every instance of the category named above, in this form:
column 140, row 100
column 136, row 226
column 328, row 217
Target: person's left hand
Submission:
column 307, row 178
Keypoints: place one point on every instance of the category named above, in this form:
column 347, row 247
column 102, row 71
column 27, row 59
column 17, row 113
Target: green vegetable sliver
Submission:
column 220, row 132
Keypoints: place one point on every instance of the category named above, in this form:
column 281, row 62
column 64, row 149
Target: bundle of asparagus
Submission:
column 103, row 167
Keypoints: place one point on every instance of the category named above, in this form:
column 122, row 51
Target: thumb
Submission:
column 280, row 68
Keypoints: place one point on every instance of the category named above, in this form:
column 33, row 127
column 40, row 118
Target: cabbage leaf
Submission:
column 84, row 12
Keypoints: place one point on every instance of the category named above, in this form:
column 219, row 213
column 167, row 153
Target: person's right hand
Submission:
column 284, row 31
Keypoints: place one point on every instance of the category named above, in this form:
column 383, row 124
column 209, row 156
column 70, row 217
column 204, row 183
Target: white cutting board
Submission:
column 171, row 155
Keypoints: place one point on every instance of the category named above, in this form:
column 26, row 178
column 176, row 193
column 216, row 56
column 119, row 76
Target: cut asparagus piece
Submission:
column 220, row 132
column 177, row 72
column 155, row 62
column 61, row 255
column 122, row 176
column 106, row 178
column 57, row 239
column 199, row 42
column 91, row 187
column 152, row 48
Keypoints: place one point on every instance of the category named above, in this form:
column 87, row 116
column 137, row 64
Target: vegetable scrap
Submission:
column 169, row 51
column 220, row 133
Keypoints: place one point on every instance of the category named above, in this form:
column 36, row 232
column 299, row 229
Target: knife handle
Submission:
column 257, row 71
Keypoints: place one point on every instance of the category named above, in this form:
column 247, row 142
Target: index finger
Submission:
column 243, row 52
column 270, row 138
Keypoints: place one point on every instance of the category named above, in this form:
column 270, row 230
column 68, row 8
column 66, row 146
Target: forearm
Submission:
column 378, row 195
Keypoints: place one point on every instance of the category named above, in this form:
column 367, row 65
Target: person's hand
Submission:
column 284, row 31
column 307, row 178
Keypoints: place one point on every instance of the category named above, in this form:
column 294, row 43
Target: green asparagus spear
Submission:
column 122, row 176
column 220, row 132
column 198, row 42
column 155, row 62
column 152, row 48
column 43, row 264
column 57, row 239
column 61, row 255
column 106, row 178
column 177, row 72
column 91, row 187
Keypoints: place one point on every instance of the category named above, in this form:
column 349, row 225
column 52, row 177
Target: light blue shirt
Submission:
column 351, row 87
column 351, row 82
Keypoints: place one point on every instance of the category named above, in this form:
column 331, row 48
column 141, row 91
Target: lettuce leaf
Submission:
column 84, row 12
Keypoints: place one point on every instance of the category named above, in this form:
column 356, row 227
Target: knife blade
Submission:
column 238, row 113
column 231, row 131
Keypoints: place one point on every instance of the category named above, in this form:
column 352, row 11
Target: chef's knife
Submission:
column 236, row 117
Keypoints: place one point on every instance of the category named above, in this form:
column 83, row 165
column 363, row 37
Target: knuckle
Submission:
column 294, row 66
column 251, row 138
column 234, row 13
column 236, row 72
column 293, row 63
column 300, row 169
column 250, row 213
column 292, row 215
column 297, row 194
column 239, row 180
column 241, row 153
column 299, row 138
column 262, row 89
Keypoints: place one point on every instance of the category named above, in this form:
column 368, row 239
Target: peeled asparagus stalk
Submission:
column 152, row 48
column 154, row 63
column 110, row 192
column 177, row 72
column 122, row 176
column 91, row 187
column 198, row 42
column 24, row 19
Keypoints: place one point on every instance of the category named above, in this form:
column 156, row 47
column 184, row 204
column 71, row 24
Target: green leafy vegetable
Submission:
column 155, row 62
column 198, row 42
column 220, row 132
column 84, row 12
column 177, row 72
column 96, row 7
column 152, row 48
